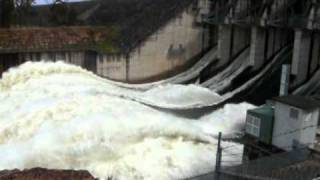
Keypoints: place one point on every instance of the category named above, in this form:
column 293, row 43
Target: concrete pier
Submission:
column 267, row 27
column 241, row 38
column 271, row 41
column 232, row 40
column 224, row 44
column 265, row 42
column 314, row 64
column 257, row 47
column 301, row 54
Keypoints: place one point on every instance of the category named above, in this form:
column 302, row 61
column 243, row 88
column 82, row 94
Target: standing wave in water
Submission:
column 59, row 116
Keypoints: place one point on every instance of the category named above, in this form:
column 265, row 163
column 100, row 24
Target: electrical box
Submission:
column 259, row 123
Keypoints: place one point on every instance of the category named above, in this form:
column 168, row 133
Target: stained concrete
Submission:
column 301, row 54
column 169, row 48
column 257, row 47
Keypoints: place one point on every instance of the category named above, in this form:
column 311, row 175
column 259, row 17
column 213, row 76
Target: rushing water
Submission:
column 59, row 116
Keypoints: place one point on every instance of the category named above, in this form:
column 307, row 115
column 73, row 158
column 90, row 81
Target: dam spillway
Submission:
column 222, row 51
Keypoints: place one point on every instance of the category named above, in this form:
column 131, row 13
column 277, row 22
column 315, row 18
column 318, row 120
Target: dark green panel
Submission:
column 266, row 114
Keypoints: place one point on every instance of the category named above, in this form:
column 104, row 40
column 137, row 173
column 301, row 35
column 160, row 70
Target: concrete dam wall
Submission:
column 170, row 49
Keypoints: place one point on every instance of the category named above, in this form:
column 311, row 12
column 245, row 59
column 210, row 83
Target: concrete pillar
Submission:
column 277, row 43
column 240, row 39
column 224, row 44
column 213, row 35
column 67, row 56
column 257, row 47
column 127, row 67
column 283, row 37
column 60, row 56
column 1, row 68
column 271, row 39
column 301, row 53
column 315, row 53
column 44, row 56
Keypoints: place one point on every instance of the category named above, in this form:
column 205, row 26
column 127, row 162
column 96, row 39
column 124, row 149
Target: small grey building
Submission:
column 289, row 123
column 296, row 121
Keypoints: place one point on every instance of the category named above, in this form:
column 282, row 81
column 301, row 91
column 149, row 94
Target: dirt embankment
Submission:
column 44, row 174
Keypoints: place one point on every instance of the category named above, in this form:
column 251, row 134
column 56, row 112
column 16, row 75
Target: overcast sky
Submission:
column 50, row 1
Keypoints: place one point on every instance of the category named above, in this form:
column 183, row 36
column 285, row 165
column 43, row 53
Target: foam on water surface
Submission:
column 59, row 116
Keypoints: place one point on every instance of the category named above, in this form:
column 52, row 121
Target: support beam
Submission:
column 301, row 54
column 224, row 44
column 257, row 47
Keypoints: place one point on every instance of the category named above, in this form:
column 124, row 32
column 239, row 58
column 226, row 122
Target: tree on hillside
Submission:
column 62, row 13
column 23, row 3
column 6, row 13
column 22, row 9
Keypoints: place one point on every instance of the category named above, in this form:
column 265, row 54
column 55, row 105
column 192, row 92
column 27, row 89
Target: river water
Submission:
column 59, row 116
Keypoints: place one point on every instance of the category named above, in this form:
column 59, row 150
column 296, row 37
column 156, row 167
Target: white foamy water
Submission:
column 59, row 116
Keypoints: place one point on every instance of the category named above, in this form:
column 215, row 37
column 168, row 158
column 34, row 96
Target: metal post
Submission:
column 127, row 67
column 285, row 80
column 218, row 158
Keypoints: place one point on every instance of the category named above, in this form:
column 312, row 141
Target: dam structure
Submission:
column 252, row 35
column 100, row 85
column 118, row 40
column 230, row 46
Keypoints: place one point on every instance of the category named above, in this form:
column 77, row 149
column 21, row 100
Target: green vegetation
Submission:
column 7, row 16
column 108, row 44
column 102, row 40
column 14, row 12
column 62, row 14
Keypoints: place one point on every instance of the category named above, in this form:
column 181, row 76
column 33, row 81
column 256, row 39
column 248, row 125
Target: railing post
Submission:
column 218, row 158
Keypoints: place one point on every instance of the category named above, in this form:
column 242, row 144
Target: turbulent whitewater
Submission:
column 59, row 116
